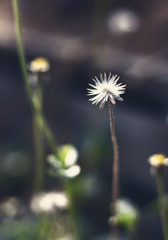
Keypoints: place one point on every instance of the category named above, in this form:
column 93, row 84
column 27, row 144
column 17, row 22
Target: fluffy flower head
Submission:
column 106, row 89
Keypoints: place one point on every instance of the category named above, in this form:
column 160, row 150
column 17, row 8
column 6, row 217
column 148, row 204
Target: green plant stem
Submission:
column 39, row 157
column 161, row 201
column 39, row 149
column 34, row 101
column 20, row 48
column 72, row 210
column 39, row 117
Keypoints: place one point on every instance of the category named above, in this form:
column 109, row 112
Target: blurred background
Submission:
column 82, row 39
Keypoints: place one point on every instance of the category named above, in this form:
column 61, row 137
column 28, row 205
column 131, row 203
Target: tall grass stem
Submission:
column 72, row 210
column 39, row 116
column 161, row 201
column 39, row 148
column 34, row 101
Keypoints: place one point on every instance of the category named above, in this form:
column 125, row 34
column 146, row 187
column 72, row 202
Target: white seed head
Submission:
column 106, row 89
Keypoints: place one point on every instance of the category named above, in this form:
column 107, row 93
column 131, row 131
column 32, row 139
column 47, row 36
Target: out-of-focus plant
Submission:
column 126, row 216
column 49, row 202
column 158, row 163
column 66, row 168
column 34, row 100
column 51, row 210
column 40, row 228
column 47, row 218
column 65, row 163
column 38, row 67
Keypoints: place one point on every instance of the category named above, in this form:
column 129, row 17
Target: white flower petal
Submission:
column 106, row 89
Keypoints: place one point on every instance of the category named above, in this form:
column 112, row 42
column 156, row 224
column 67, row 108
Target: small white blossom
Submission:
column 72, row 172
column 48, row 202
column 106, row 89
column 126, row 214
column 39, row 64
column 158, row 160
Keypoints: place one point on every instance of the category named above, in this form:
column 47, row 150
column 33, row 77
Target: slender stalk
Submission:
column 39, row 116
column 39, row 149
column 115, row 181
column 39, row 157
column 161, row 200
column 72, row 210
column 20, row 48
column 34, row 101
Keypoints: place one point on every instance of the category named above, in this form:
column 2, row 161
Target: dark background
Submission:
column 82, row 39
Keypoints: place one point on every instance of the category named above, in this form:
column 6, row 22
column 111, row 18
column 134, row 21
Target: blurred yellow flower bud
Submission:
column 39, row 64
column 158, row 160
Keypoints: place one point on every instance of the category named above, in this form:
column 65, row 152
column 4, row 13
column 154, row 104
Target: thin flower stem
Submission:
column 39, row 149
column 34, row 101
column 20, row 47
column 161, row 200
column 115, row 167
column 72, row 211
column 39, row 117
column 39, row 157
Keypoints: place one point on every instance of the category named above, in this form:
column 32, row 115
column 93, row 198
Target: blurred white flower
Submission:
column 126, row 214
column 10, row 207
column 158, row 160
column 48, row 202
column 72, row 172
column 106, row 89
column 67, row 156
column 39, row 64
column 123, row 21
column 125, row 207
column 71, row 156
